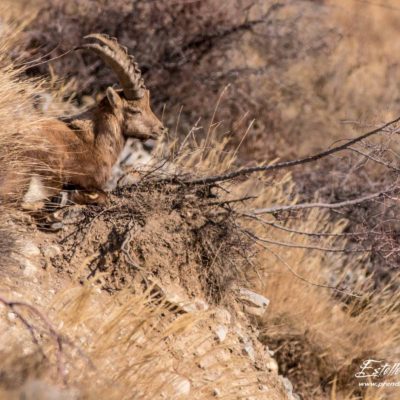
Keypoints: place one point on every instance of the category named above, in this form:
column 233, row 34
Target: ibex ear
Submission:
column 113, row 98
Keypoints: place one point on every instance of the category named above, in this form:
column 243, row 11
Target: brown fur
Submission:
column 82, row 152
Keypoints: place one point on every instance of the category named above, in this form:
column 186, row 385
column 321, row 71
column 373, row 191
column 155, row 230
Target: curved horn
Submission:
column 118, row 59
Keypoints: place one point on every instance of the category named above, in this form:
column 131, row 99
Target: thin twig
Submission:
column 57, row 337
column 304, row 246
column 302, row 206
column 306, row 233
column 126, row 251
column 286, row 164
column 374, row 159
column 293, row 272
column 221, row 203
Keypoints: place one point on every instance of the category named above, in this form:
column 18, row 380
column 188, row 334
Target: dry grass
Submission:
column 20, row 114
column 320, row 336
column 134, row 348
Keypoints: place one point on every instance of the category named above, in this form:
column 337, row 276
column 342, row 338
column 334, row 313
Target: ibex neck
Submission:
column 109, row 140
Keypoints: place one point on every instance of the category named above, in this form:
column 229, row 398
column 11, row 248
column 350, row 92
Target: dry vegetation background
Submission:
column 238, row 82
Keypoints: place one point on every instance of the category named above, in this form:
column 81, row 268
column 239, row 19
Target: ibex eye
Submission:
column 134, row 111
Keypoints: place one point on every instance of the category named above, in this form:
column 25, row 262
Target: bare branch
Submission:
column 59, row 339
column 226, row 202
column 293, row 272
column 378, row 161
column 305, row 233
column 305, row 246
column 12, row 305
column 281, row 165
column 302, row 206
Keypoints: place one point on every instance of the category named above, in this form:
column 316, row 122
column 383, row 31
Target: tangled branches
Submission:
column 45, row 327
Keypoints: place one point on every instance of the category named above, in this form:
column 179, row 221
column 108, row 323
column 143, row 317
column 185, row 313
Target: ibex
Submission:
column 80, row 153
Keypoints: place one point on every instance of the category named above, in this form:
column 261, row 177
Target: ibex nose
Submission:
column 159, row 130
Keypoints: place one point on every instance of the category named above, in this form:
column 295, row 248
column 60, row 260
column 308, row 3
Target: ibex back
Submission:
column 81, row 152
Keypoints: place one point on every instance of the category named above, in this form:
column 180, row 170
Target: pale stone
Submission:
column 207, row 361
column 248, row 350
column 181, row 385
column 29, row 268
column 242, row 337
column 263, row 388
column 11, row 316
column 197, row 305
column 287, row 384
column 57, row 226
column 254, row 299
column 254, row 303
column 269, row 351
column 40, row 390
column 221, row 332
column 175, row 295
column 256, row 311
column 223, row 316
column 51, row 250
column 272, row 365
column 216, row 392
column 29, row 249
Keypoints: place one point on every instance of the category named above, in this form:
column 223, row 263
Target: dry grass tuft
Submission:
column 321, row 335
column 135, row 350
column 195, row 237
column 18, row 118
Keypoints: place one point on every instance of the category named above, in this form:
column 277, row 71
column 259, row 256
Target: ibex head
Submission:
column 132, row 104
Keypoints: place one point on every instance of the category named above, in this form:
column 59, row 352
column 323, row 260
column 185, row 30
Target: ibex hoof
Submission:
column 82, row 197
column 36, row 206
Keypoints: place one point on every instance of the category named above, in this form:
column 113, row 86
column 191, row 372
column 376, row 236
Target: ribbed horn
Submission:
column 118, row 59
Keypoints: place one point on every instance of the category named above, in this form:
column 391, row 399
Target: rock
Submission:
column 29, row 249
column 207, row 361
column 241, row 336
column 68, row 216
column 257, row 312
column 216, row 392
column 287, row 385
column 51, row 250
column 248, row 350
column 272, row 365
column 28, row 267
column 129, row 179
column 269, row 351
column 196, row 305
column 253, row 303
column 135, row 154
column 223, row 316
column 263, row 388
column 181, row 385
column 221, row 332
column 40, row 390
column 11, row 316
column 175, row 296
column 57, row 226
